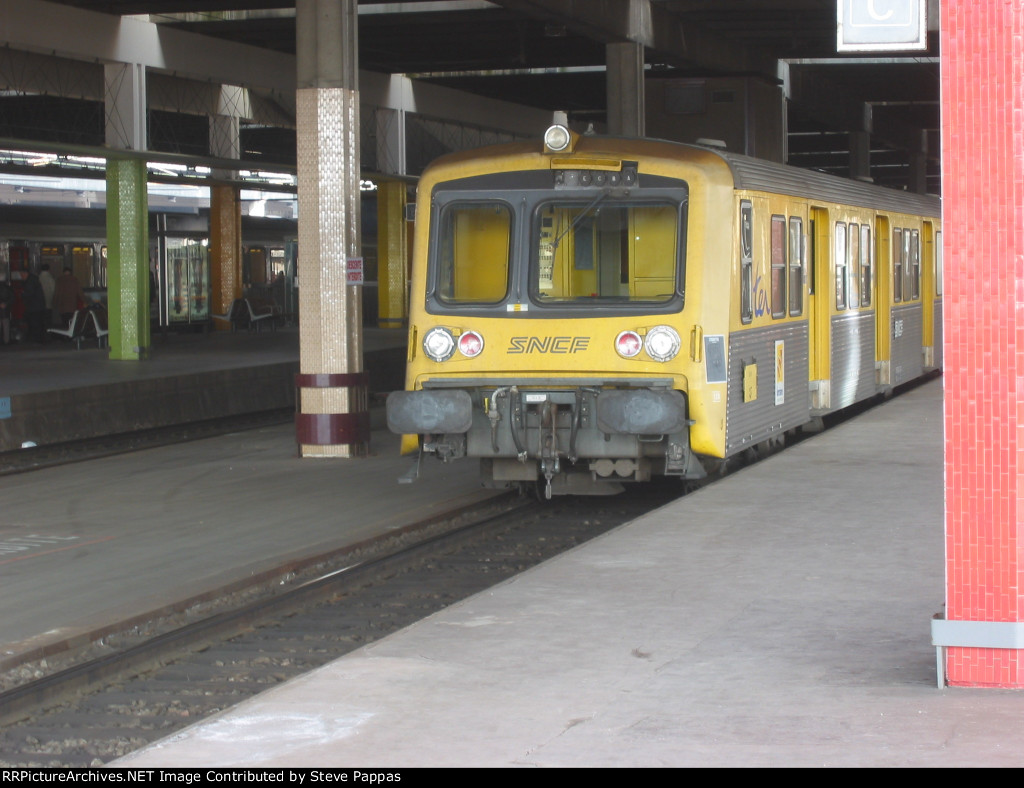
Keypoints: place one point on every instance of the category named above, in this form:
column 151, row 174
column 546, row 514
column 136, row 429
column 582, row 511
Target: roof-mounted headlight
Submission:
column 557, row 138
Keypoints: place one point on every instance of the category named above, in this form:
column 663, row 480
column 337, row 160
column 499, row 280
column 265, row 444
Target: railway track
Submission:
column 106, row 707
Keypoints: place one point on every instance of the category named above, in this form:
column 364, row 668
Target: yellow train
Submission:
column 594, row 310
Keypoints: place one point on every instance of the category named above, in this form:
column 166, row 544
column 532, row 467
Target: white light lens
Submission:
column 557, row 138
column 471, row 344
column 439, row 344
column 662, row 343
column 628, row 344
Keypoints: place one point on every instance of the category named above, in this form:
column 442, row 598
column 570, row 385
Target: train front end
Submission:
column 548, row 328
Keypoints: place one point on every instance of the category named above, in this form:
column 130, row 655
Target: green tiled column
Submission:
column 127, row 259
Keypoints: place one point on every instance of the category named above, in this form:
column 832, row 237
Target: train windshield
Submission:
column 605, row 250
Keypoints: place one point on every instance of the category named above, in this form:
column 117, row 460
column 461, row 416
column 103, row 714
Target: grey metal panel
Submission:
column 853, row 358
column 758, row 175
column 906, row 330
column 937, row 339
column 749, row 423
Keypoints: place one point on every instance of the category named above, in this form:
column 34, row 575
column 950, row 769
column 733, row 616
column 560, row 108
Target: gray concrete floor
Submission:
column 780, row 617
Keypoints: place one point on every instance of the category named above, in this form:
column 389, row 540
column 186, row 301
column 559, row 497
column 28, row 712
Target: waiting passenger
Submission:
column 35, row 308
column 49, row 284
column 68, row 296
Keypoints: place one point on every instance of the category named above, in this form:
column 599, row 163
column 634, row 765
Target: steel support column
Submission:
column 625, row 86
column 127, row 213
column 860, row 155
column 225, row 212
column 333, row 418
column 225, row 251
column 127, row 259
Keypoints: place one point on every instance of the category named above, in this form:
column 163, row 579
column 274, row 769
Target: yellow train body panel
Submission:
column 618, row 309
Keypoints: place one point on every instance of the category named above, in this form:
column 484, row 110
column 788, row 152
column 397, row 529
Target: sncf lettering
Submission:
column 558, row 345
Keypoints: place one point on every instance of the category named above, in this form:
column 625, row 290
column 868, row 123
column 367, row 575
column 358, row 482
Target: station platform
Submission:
column 56, row 392
column 778, row 617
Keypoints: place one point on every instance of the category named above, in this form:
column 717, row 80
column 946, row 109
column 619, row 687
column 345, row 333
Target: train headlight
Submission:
column 557, row 138
column 662, row 343
column 628, row 344
column 471, row 344
column 439, row 344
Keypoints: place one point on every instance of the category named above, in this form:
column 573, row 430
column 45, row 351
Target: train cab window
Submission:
column 603, row 250
column 912, row 264
column 473, row 253
column 796, row 266
column 840, row 265
column 897, row 265
column 778, row 266
column 746, row 260
column 865, row 265
column 854, row 269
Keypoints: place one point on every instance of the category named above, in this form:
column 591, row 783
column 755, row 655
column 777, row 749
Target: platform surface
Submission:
column 54, row 393
column 779, row 617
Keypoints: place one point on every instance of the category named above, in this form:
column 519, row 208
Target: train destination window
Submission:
column 865, row 265
column 796, row 266
column 746, row 260
column 840, row 265
column 604, row 249
column 473, row 253
column 778, row 266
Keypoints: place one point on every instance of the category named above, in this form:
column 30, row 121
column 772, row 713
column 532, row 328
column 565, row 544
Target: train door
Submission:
column 929, row 290
column 819, row 308
column 188, row 280
column 883, row 300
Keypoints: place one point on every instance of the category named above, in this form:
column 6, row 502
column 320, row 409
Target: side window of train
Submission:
column 796, row 266
column 840, row 265
column 913, row 265
column 865, row 265
column 746, row 260
column 778, row 266
column 854, row 270
column 897, row 265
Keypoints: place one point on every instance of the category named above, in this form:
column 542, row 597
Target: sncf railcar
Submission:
column 592, row 310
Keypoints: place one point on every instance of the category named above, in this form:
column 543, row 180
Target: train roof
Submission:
column 759, row 175
column 747, row 173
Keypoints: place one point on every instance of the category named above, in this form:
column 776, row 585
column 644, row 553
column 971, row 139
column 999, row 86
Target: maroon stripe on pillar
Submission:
column 331, row 429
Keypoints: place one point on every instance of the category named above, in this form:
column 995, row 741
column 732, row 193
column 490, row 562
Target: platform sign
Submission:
column 354, row 271
column 881, row 25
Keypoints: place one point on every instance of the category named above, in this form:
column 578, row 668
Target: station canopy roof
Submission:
column 550, row 54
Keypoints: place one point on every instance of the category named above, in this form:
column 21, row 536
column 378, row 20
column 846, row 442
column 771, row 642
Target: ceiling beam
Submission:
column 667, row 37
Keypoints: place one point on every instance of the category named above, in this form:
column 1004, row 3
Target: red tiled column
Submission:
column 983, row 244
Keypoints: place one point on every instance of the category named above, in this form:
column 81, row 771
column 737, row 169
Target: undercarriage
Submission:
column 582, row 440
